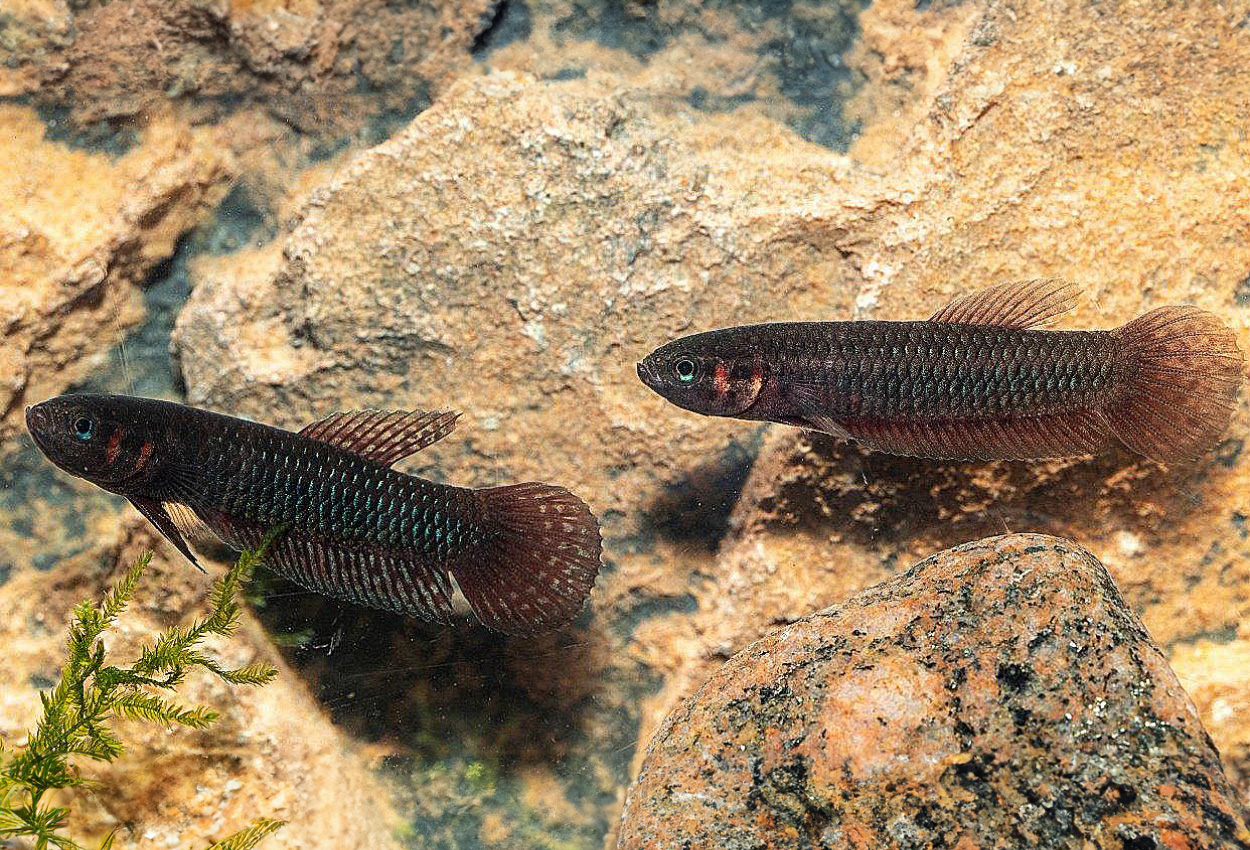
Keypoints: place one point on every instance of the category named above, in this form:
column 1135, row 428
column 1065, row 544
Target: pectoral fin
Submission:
column 159, row 517
column 812, row 411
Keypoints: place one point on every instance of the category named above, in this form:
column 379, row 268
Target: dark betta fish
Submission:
column 975, row 381
column 525, row 556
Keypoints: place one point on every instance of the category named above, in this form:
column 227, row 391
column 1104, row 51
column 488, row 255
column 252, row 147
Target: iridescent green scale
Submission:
column 322, row 489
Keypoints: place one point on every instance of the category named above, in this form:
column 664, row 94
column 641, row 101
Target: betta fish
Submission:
column 525, row 556
column 979, row 380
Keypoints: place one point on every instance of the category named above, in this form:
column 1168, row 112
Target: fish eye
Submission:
column 84, row 428
column 685, row 369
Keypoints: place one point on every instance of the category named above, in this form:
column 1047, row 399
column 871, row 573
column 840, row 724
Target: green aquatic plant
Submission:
column 92, row 692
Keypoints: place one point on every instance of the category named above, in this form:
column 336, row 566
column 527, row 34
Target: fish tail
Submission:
column 1183, row 369
column 539, row 562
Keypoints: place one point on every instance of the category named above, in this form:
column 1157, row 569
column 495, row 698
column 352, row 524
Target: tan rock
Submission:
column 512, row 255
column 272, row 753
column 78, row 234
column 999, row 693
column 327, row 67
column 1214, row 674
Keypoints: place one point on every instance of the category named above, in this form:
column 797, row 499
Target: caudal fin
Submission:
column 539, row 563
column 1183, row 369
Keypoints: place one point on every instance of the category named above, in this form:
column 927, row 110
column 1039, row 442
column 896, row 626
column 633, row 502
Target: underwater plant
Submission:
column 92, row 692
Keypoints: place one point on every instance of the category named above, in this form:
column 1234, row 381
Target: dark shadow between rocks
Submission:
column 818, row 483
column 695, row 510
column 428, row 691
column 470, row 722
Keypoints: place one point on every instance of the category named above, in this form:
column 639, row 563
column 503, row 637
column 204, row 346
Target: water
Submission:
column 499, row 206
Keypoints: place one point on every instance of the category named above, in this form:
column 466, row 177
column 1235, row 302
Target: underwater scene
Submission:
column 592, row 424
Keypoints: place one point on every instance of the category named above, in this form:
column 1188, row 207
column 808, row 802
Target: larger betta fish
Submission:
column 977, row 380
column 525, row 555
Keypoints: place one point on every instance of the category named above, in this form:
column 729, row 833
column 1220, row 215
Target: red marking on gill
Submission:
column 145, row 452
column 114, row 446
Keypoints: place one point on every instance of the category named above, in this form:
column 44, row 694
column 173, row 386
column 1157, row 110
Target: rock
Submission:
column 269, row 754
column 79, row 233
column 33, row 33
column 1000, row 693
column 1214, row 674
column 781, row 61
column 329, row 68
column 512, row 255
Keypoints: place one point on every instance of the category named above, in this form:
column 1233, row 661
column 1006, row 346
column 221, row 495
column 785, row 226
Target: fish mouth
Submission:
column 37, row 420
column 647, row 373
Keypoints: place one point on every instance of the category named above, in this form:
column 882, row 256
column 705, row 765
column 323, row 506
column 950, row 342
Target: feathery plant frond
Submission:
column 91, row 693
column 250, row 837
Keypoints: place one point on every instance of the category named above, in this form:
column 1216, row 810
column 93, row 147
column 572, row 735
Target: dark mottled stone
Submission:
column 997, row 694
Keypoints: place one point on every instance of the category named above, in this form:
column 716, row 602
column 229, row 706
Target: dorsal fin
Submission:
column 1017, row 304
column 384, row 436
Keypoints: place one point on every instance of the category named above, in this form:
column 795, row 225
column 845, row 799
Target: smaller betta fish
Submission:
column 525, row 556
column 976, row 381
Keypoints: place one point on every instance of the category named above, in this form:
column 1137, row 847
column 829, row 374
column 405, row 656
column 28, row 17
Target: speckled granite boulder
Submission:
column 999, row 694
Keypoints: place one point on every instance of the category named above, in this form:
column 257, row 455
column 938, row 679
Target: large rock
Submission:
column 997, row 694
column 79, row 234
column 326, row 67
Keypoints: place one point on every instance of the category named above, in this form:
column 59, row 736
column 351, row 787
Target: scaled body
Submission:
column 525, row 556
column 976, row 381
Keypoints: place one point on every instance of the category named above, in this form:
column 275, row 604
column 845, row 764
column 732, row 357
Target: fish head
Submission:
column 709, row 373
column 98, row 438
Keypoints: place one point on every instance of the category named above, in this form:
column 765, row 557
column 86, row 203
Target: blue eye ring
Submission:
column 685, row 369
column 84, row 428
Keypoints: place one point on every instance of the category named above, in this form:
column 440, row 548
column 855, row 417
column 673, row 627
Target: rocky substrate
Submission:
column 271, row 752
column 1000, row 693
column 585, row 180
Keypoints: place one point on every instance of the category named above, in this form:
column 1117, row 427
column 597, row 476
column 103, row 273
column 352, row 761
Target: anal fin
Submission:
column 1025, row 438
column 367, row 575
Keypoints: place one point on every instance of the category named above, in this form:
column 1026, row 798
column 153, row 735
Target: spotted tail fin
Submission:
column 539, row 563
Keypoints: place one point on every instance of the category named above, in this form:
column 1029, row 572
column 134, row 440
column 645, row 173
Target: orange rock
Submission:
column 1001, row 690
